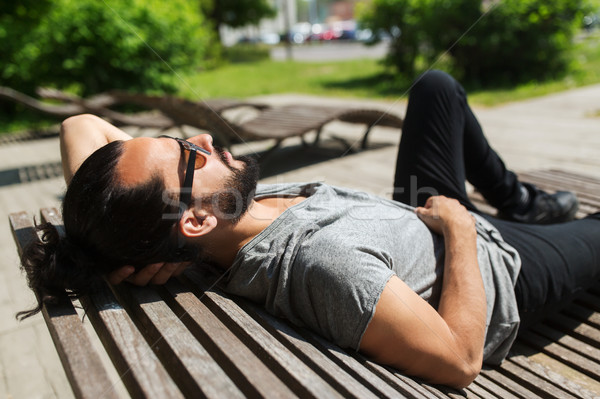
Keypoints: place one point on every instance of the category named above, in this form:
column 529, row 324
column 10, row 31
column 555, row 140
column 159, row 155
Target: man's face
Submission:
column 224, row 184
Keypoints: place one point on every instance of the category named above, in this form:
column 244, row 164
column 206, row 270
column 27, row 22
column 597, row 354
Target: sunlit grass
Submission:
column 336, row 79
column 369, row 79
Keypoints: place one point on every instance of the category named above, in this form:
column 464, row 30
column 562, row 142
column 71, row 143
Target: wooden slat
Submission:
column 509, row 385
column 139, row 368
column 311, row 356
column 565, row 181
column 565, row 355
column 407, row 386
column 76, row 352
column 195, row 372
column 567, row 341
column 141, row 371
column 476, row 391
column 290, row 369
column 583, row 314
column 249, row 373
column 469, row 394
column 586, row 333
column 492, row 388
column 288, row 121
column 551, row 376
column 587, row 192
column 568, row 180
column 443, row 392
column 533, row 382
column 351, row 363
column 22, row 229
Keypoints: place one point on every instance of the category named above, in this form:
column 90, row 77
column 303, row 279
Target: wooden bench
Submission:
column 186, row 340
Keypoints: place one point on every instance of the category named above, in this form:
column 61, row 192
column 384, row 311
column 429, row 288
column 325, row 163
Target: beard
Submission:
column 232, row 202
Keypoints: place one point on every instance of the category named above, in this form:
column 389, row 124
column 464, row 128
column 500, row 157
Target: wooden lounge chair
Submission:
column 277, row 123
column 182, row 340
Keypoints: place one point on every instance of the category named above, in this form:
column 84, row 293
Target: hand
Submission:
column 441, row 214
column 155, row 273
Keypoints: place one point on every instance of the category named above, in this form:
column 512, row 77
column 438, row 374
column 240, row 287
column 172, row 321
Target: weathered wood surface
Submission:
column 190, row 339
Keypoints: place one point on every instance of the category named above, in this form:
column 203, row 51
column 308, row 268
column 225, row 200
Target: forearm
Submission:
column 463, row 301
column 80, row 136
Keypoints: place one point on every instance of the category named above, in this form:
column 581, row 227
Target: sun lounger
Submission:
column 274, row 123
column 182, row 340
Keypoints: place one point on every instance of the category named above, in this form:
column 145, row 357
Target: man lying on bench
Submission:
column 432, row 291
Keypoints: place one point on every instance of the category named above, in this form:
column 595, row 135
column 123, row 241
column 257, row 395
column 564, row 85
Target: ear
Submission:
column 195, row 224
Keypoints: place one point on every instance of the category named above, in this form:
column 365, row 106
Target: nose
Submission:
column 203, row 140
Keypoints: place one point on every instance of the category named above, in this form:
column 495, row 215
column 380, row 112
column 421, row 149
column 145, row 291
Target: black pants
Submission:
column 442, row 146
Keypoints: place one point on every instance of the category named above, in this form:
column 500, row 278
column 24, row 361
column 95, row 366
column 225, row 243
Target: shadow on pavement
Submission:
column 298, row 156
column 26, row 174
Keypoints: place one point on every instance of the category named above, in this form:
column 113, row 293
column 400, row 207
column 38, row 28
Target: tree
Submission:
column 400, row 20
column 520, row 40
column 17, row 20
column 91, row 46
column 505, row 41
column 235, row 13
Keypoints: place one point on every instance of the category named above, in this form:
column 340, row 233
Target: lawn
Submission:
column 356, row 78
column 367, row 78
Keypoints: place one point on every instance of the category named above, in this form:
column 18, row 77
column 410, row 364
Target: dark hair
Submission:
column 106, row 225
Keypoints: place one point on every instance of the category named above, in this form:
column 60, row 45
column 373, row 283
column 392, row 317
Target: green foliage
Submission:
column 520, row 40
column 510, row 41
column 17, row 20
column 91, row 46
column 236, row 13
column 400, row 20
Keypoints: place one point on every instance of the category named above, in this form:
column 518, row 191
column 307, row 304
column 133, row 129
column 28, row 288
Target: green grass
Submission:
column 368, row 79
column 355, row 78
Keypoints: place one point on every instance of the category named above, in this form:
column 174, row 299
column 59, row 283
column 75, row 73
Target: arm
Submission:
column 443, row 346
column 80, row 136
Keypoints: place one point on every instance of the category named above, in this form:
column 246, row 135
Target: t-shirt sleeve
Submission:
column 336, row 289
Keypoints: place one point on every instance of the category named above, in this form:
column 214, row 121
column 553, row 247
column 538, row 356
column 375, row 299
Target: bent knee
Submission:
column 434, row 82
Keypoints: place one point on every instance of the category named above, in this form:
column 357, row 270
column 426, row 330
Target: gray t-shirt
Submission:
column 324, row 262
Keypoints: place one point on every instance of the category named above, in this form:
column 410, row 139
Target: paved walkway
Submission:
column 555, row 131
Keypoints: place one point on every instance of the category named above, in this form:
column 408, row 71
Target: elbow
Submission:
column 78, row 125
column 466, row 374
column 74, row 121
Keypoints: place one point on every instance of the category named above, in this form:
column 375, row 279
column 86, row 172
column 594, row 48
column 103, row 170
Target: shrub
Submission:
column 92, row 46
column 520, row 40
column 503, row 42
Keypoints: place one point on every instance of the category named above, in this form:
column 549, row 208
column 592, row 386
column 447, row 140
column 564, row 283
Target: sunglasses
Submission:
column 193, row 162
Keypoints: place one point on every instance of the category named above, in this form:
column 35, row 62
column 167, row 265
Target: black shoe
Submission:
column 543, row 208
